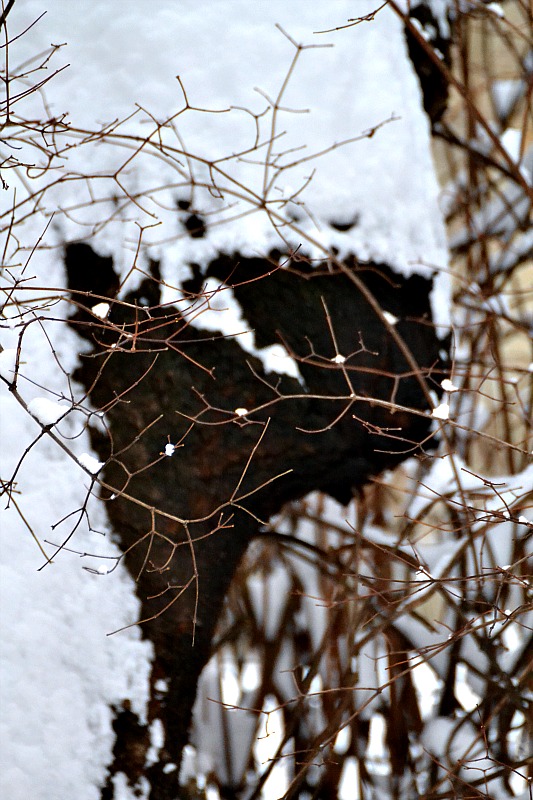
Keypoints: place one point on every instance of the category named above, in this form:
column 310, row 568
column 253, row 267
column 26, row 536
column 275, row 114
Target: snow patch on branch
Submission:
column 90, row 463
column 47, row 412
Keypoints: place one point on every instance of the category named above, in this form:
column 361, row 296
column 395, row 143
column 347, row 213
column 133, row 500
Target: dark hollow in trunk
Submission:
column 152, row 373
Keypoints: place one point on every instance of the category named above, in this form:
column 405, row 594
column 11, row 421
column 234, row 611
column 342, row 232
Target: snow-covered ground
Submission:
column 60, row 670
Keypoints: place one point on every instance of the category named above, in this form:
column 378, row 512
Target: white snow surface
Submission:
column 90, row 463
column 386, row 183
column 8, row 363
column 101, row 310
column 60, row 670
column 505, row 93
column 46, row 411
column 269, row 596
column 219, row 685
column 441, row 411
column 218, row 310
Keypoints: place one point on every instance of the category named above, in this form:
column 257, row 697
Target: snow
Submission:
column 343, row 740
column 441, row 478
column 60, row 670
column 157, row 741
column 427, row 686
column 357, row 181
column 460, row 746
column 442, row 411
column 269, row 596
column 391, row 319
column 47, row 412
column 188, row 765
column 8, row 363
column 509, row 210
column 101, row 310
column 121, row 790
column 429, row 640
column 448, row 385
column 218, row 310
column 269, row 739
column 436, row 735
column 213, row 725
column 496, row 9
column 58, row 653
column 284, row 675
column 505, row 94
column 371, row 668
column 512, row 139
column 349, row 782
column 90, row 463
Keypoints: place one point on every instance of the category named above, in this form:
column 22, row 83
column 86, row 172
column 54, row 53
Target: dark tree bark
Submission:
column 200, row 508
column 433, row 81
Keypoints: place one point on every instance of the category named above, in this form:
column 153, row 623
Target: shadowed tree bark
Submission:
column 433, row 82
column 159, row 380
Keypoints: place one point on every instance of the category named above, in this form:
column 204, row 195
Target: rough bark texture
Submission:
column 170, row 372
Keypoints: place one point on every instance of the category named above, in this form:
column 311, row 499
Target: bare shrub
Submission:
column 382, row 646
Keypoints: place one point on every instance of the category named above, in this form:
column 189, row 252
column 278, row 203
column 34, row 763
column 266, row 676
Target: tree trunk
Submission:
column 171, row 382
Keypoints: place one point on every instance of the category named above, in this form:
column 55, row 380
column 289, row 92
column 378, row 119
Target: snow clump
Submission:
column 441, row 412
column 47, row 412
column 90, row 463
